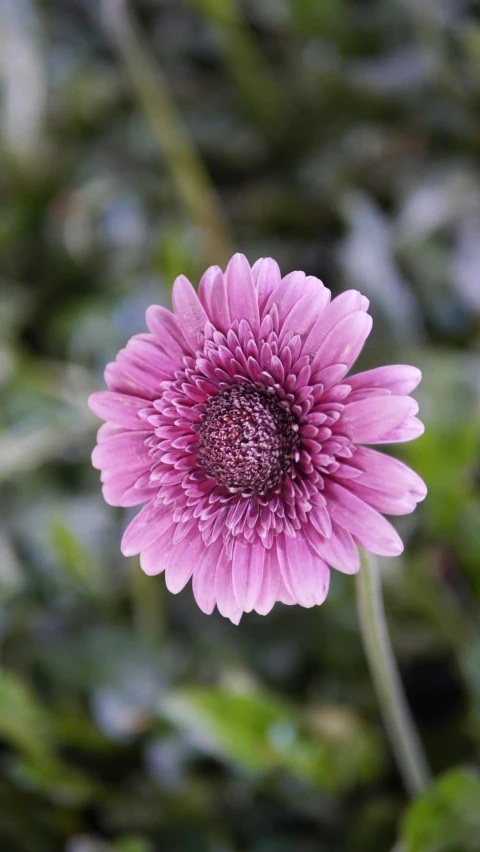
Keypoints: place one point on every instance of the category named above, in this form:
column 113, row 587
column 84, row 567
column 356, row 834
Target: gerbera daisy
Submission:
column 234, row 422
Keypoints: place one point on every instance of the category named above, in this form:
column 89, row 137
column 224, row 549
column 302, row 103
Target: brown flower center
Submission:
column 247, row 438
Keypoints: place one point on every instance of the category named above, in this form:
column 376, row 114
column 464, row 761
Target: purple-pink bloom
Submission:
column 232, row 420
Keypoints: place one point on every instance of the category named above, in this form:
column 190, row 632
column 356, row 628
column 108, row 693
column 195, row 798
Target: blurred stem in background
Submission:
column 398, row 721
column 23, row 79
column 186, row 167
column 261, row 93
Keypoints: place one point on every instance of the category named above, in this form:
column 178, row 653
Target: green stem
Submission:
column 398, row 721
column 186, row 167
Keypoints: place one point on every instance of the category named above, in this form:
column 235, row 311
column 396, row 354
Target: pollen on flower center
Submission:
column 246, row 438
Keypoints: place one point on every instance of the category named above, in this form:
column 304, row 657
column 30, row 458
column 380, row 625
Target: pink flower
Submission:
column 232, row 420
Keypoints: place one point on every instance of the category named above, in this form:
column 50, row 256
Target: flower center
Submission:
column 246, row 439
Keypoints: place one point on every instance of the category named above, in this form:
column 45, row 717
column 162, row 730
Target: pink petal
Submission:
column 368, row 420
column 344, row 304
column 301, row 317
column 125, row 477
column 256, row 269
column 153, row 560
column 203, row 582
column 189, row 312
column 407, row 430
column 339, row 550
column 368, row 527
column 219, row 311
column 284, row 596
column 399, row 379
column 136, row 380
column 386, row 473
column 242, row 295
column 329, row 376
column 389, row 504
column 183, row 558
column 147, row 350
column 270, row 584
column 166, row 331
column 119, row 408
column 206, row 288
column 344, row 342
column 117, row 381
column 266, row 277
column 306, row 309
column 126, row 450
column 287, row 294
column 321, row 294
column 225, row 597
column 320, row 519
column 305, row 575
column 150, row 523
column 109, row 430
column 247, row 573
column 119, row 493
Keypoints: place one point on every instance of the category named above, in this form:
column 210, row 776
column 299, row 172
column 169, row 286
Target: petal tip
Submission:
column 93, row 402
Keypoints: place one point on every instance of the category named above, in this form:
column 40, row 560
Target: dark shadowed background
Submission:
column 144, row 140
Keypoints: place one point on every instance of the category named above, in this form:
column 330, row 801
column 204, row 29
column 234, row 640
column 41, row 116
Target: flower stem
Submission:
column 398, row 721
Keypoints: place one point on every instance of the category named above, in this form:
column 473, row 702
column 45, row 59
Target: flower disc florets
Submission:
column 234, row 421
column 247, row 439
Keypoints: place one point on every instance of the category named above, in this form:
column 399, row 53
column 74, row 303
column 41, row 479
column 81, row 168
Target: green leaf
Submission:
column 132, row 844
column 77, row 562
column 28, row 729
column 325, row 19
column 447, row 817
column 55, row 779
column 328, row 748
column 23, row 723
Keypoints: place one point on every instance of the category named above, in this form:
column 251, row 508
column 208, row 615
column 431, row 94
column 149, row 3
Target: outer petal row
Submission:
column 254, row 579
column 302, row 304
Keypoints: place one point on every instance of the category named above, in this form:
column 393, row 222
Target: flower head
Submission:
column 232, row 420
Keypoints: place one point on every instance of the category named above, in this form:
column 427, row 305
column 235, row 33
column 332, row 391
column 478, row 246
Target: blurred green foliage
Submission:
column 342, row 138
column 263, row 734
column 446, row 818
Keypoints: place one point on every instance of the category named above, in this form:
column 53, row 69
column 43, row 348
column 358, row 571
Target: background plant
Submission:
column 341, row 138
